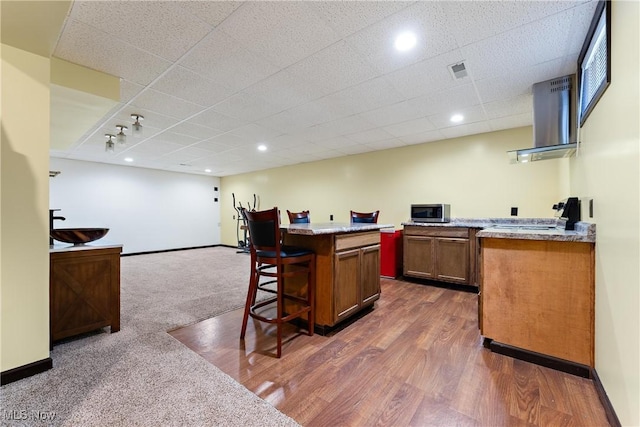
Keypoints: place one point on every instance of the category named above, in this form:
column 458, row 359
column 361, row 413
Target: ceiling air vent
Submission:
column 458, row 70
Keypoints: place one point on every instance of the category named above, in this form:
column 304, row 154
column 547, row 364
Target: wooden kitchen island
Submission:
column 347, row 268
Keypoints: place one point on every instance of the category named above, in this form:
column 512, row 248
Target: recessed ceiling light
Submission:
column 262, row 147
column 405, row 41
column 207, row 170
column 457, row 118
column 128, row 159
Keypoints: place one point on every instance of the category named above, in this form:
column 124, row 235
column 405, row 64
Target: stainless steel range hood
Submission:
column 554, row 121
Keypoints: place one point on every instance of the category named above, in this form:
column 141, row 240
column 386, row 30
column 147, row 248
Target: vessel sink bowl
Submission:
column 78, row 236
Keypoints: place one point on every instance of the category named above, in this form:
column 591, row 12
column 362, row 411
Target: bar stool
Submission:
column 370, row 217
column 277, row 262
column 298, row 217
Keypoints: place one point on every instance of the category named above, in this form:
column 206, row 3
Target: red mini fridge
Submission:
column 390, row 253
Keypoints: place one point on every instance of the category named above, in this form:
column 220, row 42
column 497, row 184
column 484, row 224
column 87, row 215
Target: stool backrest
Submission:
column 368, row 217
column 264, row 228
column 298, row 217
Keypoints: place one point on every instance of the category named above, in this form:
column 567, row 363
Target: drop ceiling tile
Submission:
column 195, row 130
column 354, row 149
column 385, row 144
column 409, row 127
column 370, row 95
column 230, row 141
column 281, row 32
column 220, row 58
column 176, row 138
column 582, row 15
column 477, row 20
column 428, row 76
column 189, row 86
column 422, row 137
column 215, row 120
column 334, row 68
column 283, row 142
column 398, row 112
column 154, row 148
column 465, row 130
column 128, row 90
column 522, row 104
column 211, row 12
column 348, row 17
column 284, row 90
column 255, row 133
column 510, row 122
column 292, row 120
column 426, row 19
column 165, row 29
column 349, row 125
column 248, row 107
column 471, row 115
column 84, row 45
column 211, row 146
column 368, row 136
column 337, row 143
column 158, row 102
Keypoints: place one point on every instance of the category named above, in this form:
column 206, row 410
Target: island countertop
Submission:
column 313, row 229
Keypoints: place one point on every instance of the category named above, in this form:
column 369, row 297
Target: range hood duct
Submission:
column 554, row 121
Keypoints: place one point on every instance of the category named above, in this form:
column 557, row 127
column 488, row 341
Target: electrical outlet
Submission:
column 331, row 217
column 590, row 208
column 514, row 211
column 234, row 217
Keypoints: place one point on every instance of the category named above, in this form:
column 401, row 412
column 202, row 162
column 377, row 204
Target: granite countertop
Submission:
column 312, row 229
column 68, row 247
column 521, row 228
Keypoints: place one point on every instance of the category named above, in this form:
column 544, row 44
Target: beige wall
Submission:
column 608, row 170
column 24, row 204
column 473, row 174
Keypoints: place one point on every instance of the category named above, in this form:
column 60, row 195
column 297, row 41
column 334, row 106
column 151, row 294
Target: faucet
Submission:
column 51, row 218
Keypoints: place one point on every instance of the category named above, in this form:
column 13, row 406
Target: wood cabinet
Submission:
column 446, row 254
column 356, row 273
column 84, row 291
column 539, row 296
column 347, row 273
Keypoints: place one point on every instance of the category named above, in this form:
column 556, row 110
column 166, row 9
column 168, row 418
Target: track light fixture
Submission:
column 136, row 127
column 110, row 146
column 121, row 138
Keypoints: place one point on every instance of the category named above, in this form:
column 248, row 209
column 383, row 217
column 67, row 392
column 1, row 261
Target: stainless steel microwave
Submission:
column 430, row 213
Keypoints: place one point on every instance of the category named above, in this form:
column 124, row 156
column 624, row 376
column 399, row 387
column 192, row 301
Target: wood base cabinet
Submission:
column 446, row 254
column 84, row 291
column 539, row 296
column 347, row 273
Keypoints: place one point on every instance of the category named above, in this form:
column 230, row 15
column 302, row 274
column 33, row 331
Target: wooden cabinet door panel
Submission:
column 370, row 271
column 418, row 256
column 452, row 260
column 347, row 295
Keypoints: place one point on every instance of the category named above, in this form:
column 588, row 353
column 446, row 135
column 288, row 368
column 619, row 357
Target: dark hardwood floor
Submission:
column 416, row 360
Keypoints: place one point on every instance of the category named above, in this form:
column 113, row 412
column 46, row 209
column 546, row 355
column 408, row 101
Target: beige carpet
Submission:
column 141, row 376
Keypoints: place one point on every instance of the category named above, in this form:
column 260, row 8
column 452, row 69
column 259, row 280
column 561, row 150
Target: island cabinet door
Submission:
column 370, row 273
column 347, row 290
column 419, row 256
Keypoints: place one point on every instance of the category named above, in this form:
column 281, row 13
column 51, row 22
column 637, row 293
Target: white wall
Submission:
column 145, row 209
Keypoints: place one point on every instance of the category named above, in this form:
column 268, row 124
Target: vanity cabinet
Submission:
column 446, row 254
column 84, row 291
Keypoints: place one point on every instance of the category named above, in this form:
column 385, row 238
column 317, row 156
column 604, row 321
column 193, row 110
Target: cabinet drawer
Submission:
column 356, row 240
column 458, row 232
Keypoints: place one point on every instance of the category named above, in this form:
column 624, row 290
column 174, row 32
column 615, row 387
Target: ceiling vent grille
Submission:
column 458, row 70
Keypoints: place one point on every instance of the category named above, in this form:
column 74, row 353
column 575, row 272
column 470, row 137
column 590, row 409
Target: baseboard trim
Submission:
column 170, row 250
column 540, row 359
column 25, row 371
column 612, row 417
column 438, row 284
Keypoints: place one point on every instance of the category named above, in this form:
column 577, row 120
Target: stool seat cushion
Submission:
column 285, row 252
